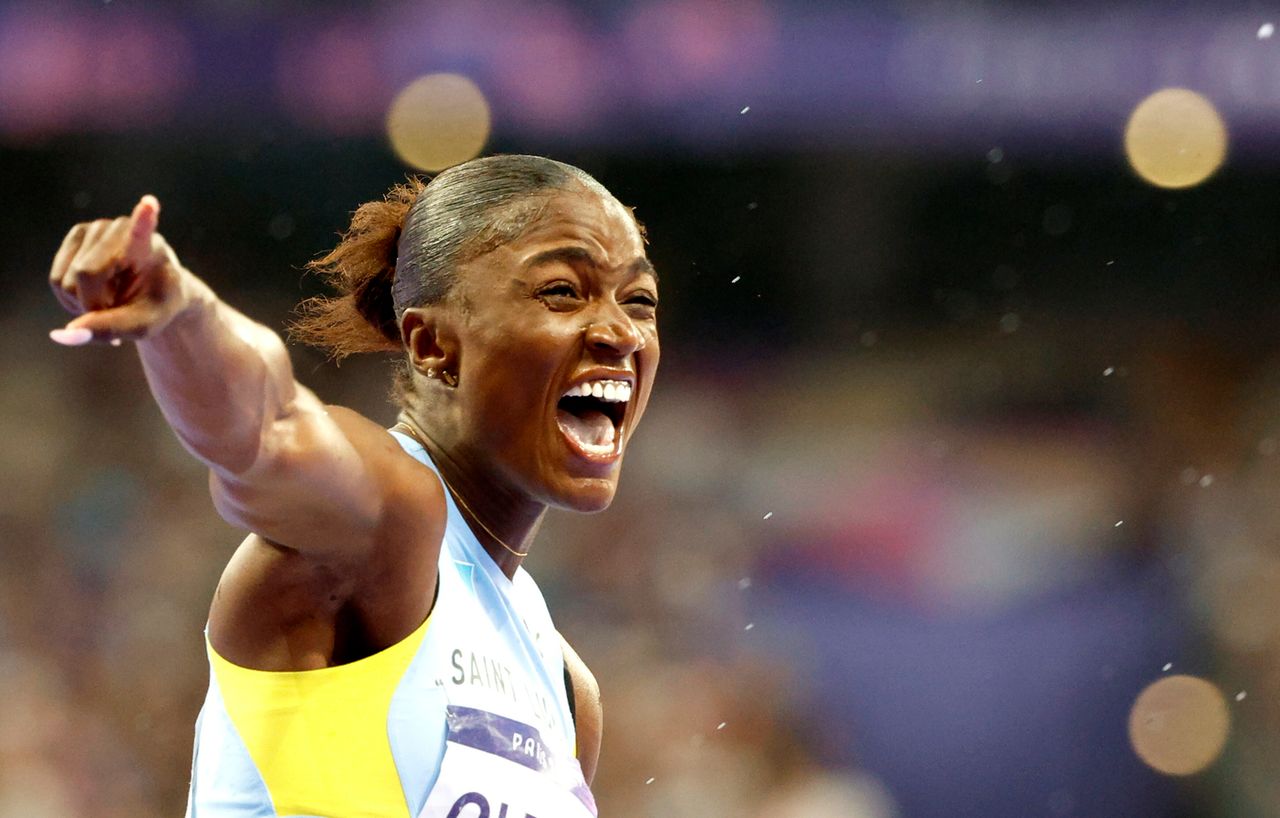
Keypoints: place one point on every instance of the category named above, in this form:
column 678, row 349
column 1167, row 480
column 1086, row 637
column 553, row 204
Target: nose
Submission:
column 612, row 332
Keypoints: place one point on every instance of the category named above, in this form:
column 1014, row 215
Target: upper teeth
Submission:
column 610, row 391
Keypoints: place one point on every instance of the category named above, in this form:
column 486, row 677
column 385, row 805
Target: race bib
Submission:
column 495, row 767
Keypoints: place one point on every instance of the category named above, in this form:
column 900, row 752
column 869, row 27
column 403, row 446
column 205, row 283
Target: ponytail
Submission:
column 405, row 251
column 362, row 268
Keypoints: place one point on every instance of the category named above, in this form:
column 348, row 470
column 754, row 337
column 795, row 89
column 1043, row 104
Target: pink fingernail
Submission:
column 72, row 337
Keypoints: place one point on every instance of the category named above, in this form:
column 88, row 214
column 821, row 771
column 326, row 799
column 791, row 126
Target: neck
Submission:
column 503, row 521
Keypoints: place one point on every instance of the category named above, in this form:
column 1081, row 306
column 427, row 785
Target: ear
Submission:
column 429, row 337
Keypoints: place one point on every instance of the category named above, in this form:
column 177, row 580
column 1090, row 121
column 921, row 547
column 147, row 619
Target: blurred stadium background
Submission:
column 965, row 435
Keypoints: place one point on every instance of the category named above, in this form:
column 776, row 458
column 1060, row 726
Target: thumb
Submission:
column 142, row 224
column 128, row 322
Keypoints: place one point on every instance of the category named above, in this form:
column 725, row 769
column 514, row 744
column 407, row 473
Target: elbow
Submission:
column 237, row 503
column 231, row 460
column 225, row 501
column 264, row 409
column 246, row 488
column 275, row 448
column 304, row 469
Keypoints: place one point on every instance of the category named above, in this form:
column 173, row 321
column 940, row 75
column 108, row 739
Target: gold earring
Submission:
column 450, row 379
column 431, row 373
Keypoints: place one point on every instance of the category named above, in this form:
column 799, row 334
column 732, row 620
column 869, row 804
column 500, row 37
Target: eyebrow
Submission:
column 580, row 255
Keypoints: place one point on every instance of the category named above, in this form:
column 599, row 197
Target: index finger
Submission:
column 142, row 224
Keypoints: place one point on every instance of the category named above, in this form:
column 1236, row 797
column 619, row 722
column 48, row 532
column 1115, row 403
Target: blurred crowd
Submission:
column 917, row 575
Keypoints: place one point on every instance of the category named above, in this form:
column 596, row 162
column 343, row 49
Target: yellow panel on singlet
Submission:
column 319, row 737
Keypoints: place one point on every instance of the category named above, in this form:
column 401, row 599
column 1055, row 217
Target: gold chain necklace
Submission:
column 458, row 497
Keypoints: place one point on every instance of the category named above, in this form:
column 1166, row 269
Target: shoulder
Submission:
column 588, row 711
column 290, row 592
column 412, row 515
column 329, row 481
column 404, row 481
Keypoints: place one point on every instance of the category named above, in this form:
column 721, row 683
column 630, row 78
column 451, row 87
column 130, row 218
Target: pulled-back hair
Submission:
column 404, row 251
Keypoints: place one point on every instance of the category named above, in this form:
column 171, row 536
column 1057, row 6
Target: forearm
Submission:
column 221, row 379
column 280, row 464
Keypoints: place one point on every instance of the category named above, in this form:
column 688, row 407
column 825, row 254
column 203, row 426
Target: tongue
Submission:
column 591, row 428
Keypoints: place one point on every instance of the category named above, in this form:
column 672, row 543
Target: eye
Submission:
column 561, row 296
column 558, row 294
column 643, row 303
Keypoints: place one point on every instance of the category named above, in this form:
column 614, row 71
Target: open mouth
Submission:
column 590, row 417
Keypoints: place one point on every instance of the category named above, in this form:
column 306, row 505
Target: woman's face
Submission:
column 557, row 351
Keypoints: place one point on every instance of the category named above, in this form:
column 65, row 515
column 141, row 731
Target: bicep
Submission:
column 327, row 480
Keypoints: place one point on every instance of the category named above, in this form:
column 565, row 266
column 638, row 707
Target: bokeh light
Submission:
column 1243, row 594
column 1175, row 138
column 437, row 121
column 1179, row 724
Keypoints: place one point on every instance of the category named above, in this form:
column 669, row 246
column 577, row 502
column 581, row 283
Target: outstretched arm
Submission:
column 221, row 380
column 282, row 464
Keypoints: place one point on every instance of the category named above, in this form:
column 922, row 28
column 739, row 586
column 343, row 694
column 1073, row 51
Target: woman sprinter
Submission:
column 375, row 647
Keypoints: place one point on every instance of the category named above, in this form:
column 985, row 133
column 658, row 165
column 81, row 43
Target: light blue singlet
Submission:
column 467, row 717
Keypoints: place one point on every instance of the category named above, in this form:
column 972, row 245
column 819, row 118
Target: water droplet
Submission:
column 1168, row 666
column 721, row 725
column 744, row 583
column 767, row 516
column 1240, row 696
column 651, row 780
column 1266, row 30
column 1108, row 372
column 1206, row 481
column 1118, row 523
column 749, row 626
column 745, row 109
column 735, row 279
